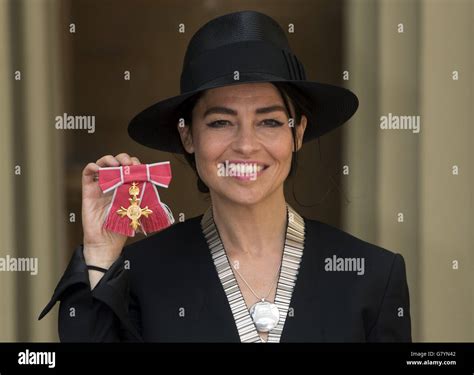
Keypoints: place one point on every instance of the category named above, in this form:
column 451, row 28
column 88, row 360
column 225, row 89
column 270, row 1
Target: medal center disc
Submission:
column 134, row 212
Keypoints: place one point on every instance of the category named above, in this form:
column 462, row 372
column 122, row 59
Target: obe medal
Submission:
column 134, row 211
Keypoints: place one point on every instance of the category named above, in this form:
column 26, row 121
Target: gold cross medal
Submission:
column 134, row 212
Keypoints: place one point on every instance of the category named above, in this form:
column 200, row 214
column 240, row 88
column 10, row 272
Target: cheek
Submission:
column 279, row 145
column 208, row 148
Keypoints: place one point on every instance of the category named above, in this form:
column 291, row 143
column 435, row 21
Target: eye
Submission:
column 272, row 123
column 218, row 124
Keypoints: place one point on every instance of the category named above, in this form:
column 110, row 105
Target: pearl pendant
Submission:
column 265, row 315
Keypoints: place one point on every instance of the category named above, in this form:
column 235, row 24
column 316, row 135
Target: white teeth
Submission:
column 249, row 167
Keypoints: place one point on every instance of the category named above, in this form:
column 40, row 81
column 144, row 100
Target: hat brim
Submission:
column 156, row 126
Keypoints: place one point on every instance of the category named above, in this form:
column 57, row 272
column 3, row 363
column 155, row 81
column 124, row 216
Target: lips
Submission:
column 245, row 163
column 248, row 165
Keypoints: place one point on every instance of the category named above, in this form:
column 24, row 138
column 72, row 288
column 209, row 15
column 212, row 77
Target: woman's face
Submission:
column 242, row 141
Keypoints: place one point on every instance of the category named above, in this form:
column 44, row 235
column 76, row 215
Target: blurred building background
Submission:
column 408, row 192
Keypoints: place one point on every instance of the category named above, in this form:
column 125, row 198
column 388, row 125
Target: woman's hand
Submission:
column 101, row 247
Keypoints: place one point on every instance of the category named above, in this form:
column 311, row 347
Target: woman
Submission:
column 251, row 269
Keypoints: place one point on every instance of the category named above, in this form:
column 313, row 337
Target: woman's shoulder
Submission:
column 353, row 265
column 334, row 243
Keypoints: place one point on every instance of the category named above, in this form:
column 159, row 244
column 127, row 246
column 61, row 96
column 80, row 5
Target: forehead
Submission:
column 247, row 93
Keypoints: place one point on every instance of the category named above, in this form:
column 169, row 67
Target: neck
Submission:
column 254, row 230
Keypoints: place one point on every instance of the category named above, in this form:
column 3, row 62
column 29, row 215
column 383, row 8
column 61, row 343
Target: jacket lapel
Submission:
column 216, row 322
column 305, row 317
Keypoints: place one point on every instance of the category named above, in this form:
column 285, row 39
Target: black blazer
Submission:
column 143, row 294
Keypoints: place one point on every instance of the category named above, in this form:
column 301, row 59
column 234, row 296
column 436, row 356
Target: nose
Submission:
column 246, row 140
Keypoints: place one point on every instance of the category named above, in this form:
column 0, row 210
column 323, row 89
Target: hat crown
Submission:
column 245, row 46
column 234, row 28
column 241, row 47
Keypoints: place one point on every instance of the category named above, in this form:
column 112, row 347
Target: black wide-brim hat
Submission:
column 254, row 45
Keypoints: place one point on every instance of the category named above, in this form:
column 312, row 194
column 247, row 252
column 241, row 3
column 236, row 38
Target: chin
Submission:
column 243, row 195
column 245, row 201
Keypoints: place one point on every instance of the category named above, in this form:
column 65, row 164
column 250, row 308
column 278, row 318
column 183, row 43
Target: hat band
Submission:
column 243, row 57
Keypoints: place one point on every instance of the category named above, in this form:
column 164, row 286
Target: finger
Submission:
column 135, row 160
column 108, row 161
column 124, row 159
column 89, row 172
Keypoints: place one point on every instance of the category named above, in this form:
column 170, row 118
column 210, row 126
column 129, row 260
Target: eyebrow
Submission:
column 230, row 111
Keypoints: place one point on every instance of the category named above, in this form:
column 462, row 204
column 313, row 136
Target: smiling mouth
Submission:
column 242, row 170
column 246, row 163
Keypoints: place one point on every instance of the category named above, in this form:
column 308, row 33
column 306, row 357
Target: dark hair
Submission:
column 301, row 105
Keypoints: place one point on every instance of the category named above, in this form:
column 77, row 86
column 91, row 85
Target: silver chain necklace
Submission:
column 249, row 324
